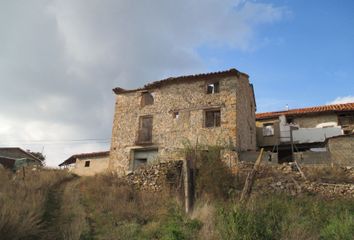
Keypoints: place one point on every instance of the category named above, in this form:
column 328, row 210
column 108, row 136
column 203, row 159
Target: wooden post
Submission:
column 301, row 172
column 186, row 185
column 23, row 173
column 247, row 189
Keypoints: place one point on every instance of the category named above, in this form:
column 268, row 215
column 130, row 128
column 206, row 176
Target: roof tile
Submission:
column 309, row 110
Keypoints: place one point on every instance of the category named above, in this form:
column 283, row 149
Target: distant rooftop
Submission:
column 73, row 158
column 310, row 110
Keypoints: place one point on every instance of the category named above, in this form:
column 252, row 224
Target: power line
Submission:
column 59, row 140
column 56, row 141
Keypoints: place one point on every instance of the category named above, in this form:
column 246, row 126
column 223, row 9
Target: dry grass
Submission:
column 118, row 211
column 205, row 212
column 328, row 174
column 22, row 202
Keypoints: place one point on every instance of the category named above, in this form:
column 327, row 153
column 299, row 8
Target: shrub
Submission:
column 214, row 180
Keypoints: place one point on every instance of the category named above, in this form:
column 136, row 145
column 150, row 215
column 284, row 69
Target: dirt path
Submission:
column 64, row 216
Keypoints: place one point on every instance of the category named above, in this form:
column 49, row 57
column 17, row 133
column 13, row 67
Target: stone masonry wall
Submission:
column 342, row 150
column 245, row 116
column 312, row 121
column 169, row 133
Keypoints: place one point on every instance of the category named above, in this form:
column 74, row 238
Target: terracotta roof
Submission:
column 188, row 78
column 73, row 158
column 310, row 110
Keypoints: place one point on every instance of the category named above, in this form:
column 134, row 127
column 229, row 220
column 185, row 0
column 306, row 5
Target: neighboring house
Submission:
column 303, row 129
column 15, row 158
column 87, row 164
column 153, row 123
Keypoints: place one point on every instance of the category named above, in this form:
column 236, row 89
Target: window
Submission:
column 213, row 88
column 147, row 99
column 175, row 115
column 212, row 118
column 87, row 163
column 268, row 129
column 145, row 129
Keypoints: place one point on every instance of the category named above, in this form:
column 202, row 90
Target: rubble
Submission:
column 287, row 179
column 270, row 179
column 155, row 177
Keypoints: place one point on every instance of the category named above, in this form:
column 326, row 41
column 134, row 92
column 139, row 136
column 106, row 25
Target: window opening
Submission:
column 268, row 129
column 213, row 88
column 147, row 98
column 212, row 118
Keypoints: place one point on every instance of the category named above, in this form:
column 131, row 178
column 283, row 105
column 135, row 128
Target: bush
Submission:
column 214, row 180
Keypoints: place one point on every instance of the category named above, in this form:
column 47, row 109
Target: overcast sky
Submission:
column 60, row 59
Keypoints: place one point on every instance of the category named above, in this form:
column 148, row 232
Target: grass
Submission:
column 284, row 217
column 328, row 174
column 118, row 211
column 23, row 202
column 52, row 204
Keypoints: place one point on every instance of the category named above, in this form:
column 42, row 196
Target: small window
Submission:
column 212, row 118
column 213, row 88
column 87, row 163
column 147, row 99
column 268, row 129
column 289, row 120
column 175, row 115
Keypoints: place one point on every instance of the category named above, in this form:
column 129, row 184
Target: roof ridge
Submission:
column 298, row 111
column 157, row 83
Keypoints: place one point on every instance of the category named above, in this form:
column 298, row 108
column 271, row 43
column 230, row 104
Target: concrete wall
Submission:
column 251, row 156
column 171, row 134
column 97, row 165
column 313, row 135
column 309, row 157
column 342, row 150
column 263, row 141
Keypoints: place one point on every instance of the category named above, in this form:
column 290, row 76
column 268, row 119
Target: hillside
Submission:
column 53, row 204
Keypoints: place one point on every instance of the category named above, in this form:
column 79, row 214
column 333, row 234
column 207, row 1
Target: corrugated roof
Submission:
column 310, row 110
column 16, row 152
column 73, row 158
column 187, row 78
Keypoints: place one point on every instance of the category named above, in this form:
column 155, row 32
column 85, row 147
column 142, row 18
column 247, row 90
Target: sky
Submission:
column 60, row 59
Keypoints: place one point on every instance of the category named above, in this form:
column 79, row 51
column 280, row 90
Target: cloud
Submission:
column 61, row 58
column 338, row 100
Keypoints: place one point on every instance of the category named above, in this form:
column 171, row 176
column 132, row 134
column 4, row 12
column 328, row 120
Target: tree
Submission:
column 38, row 155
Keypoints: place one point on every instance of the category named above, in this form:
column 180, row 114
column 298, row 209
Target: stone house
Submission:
column 299, row 130
column 87, row 164
column 155, row 122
